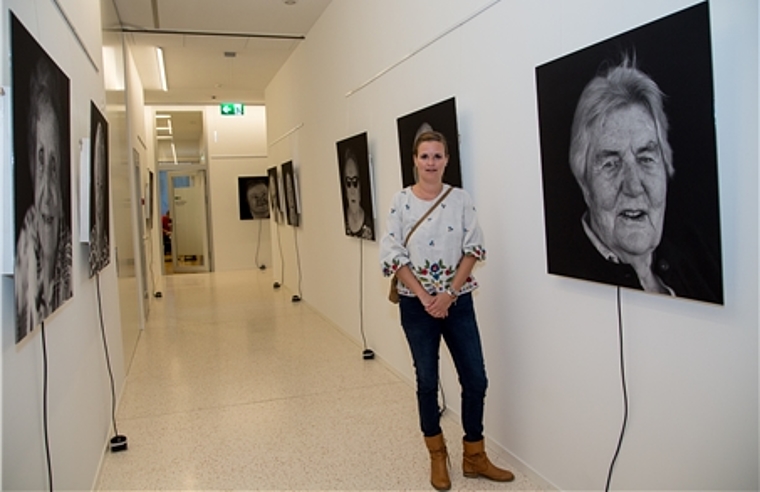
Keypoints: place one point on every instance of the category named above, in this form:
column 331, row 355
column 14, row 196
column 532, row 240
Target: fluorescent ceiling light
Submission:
column 167, row 128
column 161, row 68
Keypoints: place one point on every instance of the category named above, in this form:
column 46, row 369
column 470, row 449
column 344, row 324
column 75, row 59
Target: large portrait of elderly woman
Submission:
column 253, row 197
column 42, row 177
column 629, row 164
column 356, row 187
column 100, row 243
column 440, row 117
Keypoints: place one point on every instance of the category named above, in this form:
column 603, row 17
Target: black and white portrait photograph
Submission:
column 150, row 193
column 100, row 249
column 440, row 117
column 292, row 210
column 253, row 196
column 275, row 209
column 629, row 160
column 356, row 187
column 42, row 182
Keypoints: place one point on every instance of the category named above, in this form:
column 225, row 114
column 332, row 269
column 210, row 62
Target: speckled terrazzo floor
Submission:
column 234, row 387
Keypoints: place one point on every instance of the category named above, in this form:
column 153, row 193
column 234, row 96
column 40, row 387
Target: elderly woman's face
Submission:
column 626, row 183
column 352, row 183
column 257, row 200
column 47, row 193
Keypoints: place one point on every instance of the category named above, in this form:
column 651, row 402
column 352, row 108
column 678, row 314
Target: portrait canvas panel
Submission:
column 441, row 117
column 100, row 194
column 253, row 197
column 356, row 187
column 84, row 189
column 275, row 206
column 646, row 225
column 7, row 246
column 292, row 208
column 149, row 199
column 42, row 182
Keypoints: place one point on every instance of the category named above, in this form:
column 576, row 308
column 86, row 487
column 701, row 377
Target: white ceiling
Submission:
column 195, row 34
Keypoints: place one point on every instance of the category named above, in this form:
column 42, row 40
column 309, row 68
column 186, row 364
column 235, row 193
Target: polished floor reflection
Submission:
column 234, row 387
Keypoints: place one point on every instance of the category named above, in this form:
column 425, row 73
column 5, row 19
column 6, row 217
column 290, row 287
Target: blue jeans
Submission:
column 460, row 332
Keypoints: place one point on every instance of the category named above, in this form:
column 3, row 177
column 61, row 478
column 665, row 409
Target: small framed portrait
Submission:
column 100, row 197
column 253, row 197
column 356, row 187
column 629, row 160
column 440, row 117
column 275, row 206
column 292, row 206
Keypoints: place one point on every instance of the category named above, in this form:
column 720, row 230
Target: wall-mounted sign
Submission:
column 230, row 109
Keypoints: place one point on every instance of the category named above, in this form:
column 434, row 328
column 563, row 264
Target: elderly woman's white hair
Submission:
column 620, row 86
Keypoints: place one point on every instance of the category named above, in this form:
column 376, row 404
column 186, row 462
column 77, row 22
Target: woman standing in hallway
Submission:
column 433, row 260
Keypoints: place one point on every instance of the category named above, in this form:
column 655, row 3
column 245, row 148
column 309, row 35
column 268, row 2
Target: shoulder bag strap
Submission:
column 430, row 211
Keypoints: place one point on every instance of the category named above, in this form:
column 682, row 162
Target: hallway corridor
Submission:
column 234, row 387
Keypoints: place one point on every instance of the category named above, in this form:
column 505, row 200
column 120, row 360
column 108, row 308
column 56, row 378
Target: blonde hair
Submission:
column 430, row 136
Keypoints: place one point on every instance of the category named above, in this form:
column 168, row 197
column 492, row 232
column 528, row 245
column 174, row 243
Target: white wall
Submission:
column 79, row 391
column 140, row 154
column 121, row 118
column 236, row 147
column 550, row 343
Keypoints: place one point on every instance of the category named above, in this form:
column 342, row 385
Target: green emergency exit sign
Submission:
column 230, row 109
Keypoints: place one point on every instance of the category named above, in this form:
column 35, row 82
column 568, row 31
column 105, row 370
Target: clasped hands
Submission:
column 437, row 306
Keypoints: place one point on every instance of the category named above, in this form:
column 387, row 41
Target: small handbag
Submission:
column 393, row 294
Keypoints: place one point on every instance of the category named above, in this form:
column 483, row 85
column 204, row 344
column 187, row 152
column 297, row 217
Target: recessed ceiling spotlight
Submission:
column 289, row 2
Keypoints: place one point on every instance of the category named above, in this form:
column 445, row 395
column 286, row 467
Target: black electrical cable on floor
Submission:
column 48, row 459
column 282, row 258
column 108, row 356
column 150, row 263
column 258, row 246
column 367, row 353
column 625, row 393
column 361, row 292
column 298, row 260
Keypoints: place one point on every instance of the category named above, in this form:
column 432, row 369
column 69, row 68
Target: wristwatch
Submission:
column 451, row 292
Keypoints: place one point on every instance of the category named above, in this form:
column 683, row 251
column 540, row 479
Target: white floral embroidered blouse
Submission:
column 438, row 244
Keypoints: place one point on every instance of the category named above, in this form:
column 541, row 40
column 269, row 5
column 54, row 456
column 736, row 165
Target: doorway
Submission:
column 182, row 190
column 184, row 218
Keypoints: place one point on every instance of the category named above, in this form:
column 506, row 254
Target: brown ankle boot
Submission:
column 439, row 472
column 476, row 464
